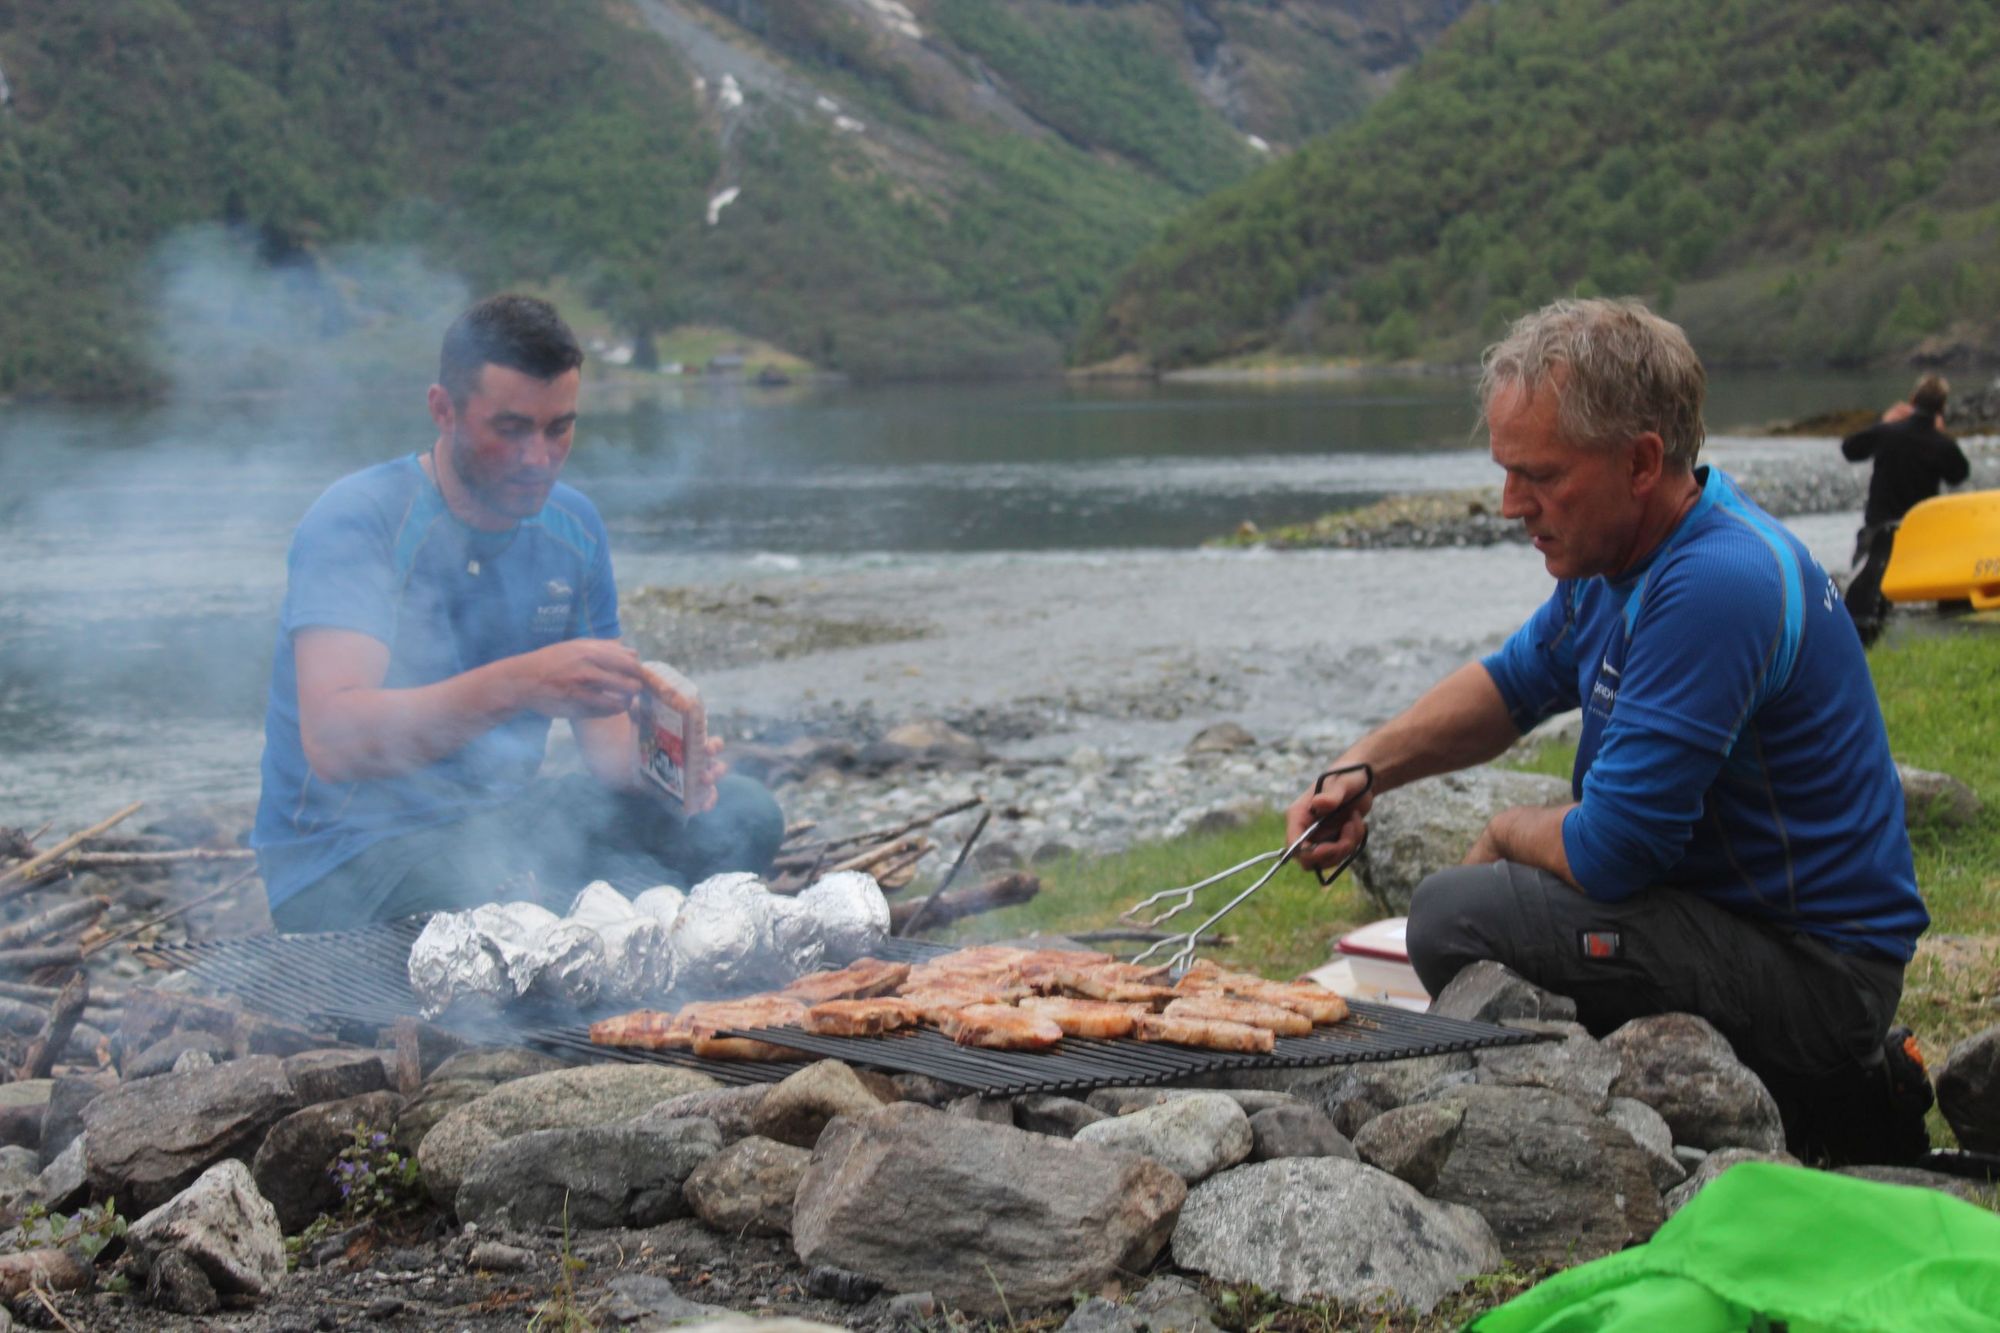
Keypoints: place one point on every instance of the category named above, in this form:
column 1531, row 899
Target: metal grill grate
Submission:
column 356, row 982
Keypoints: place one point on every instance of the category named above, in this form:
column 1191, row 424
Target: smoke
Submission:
column 145, row 547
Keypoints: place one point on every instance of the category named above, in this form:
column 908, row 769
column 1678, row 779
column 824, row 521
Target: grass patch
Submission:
column 1288, row 927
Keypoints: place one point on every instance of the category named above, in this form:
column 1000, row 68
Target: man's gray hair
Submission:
column 1618, row 369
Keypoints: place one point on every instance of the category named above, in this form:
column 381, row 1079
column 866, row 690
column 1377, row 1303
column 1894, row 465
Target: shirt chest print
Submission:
column 552, row 613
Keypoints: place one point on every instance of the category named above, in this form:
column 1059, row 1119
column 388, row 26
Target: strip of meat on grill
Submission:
column 1281, row 1021
column 1211, row 1034
column 644, row 1029
column 859, row 980
column 1317, row 1003
column 861, row 1017
column 753, row 1011
column 1002, row 1027
column 1095, row 1019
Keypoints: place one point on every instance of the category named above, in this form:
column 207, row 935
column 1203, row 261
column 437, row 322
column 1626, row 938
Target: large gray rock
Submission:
column 495, row 1065
column 335, row 1075
column 1490, row 992
column 562, row 1099
column 1323, row 1227
column 1936, row 798
column 1045, row 1113
column 1968, row 1091
column 748, row 1188
column 1411, row 1143
column 65, row 1182
column 438, row 1099
column 1578, row 1066
column 1679, row 1065
column 1649, row 1130
column 1556, row 1183
column 591, row 1178
column 1714, row 1165
column 1429, row 825
column 1353, row 1097
column 733, row 1111
column 799, row 1107
column 1124, row 1101
column 1194, row 1137
column 160, row 1057
column 1297, row 1130
column 149, row 1140
column 294, row 1168
column 63, row 1120
column 988, row 1217
column 224, row 1225
column 20, row 1168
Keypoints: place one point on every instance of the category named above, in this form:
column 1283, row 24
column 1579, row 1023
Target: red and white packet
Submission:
column 673, row 739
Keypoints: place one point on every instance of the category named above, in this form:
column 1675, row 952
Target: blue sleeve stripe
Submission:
column 1787, row 656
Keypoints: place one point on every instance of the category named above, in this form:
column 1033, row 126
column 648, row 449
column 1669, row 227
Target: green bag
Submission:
column 1768, row 1247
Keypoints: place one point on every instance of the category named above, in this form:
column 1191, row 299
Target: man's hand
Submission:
column 579, row 678
column 1335, row 841
column 1527, row 835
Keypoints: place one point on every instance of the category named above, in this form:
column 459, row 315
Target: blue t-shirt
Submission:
column 382, row 555
column 1732, row 744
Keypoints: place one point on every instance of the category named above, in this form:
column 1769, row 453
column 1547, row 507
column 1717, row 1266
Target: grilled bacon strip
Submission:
column 1100, row 984
column 1212, row 1034
column 1002, row 1027
column 860, row 1017
column 1316, row 1002
column 644, row 1029
column 1096, row 1019
column 1281, row 1021
column 859, row 980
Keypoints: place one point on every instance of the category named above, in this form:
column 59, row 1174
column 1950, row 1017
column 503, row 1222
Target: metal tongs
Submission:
column 1181, row 899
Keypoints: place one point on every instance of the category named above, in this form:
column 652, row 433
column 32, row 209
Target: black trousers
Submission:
column 1810, row 1021
column 543, row 845
column 1863, row 598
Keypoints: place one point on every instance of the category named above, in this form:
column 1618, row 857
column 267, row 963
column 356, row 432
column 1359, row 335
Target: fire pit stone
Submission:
column 291, row 1168
column 749, row 1187
column 590, row 1178
column 1194, row 1137
column 796, row 1110
column 151, row 1138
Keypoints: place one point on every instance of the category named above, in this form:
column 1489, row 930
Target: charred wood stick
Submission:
column 958, row 864
column 57, row 1027
column 910, row 827
column 57, row 920
column 96, row 860
column 18, row 961
column 799, row 829
column 18, row 878
column 101, row 997
column 97, row 946
column 42, row 1270
column 875, row 856
column 898, row 874
column 1009, row 890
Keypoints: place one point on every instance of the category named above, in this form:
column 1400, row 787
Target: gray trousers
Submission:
column 1807, row 1019
column 543, row 845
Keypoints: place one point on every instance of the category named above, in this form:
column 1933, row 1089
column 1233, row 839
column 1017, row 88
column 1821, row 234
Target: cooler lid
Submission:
column 1378, row 939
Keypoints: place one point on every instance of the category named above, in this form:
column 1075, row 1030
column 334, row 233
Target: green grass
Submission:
column 1288, row 927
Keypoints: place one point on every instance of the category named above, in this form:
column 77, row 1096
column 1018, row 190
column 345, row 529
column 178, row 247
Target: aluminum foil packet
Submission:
column 599, row 905
column 451, row 961
column 567, row 964
column 663, row 901
column 638, row 964
column 796, row 936
column 513, row 932
column 853, row 915
column 721, row 940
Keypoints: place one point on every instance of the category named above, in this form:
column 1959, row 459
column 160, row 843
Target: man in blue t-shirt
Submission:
column 1735, row 847
column 441, row 609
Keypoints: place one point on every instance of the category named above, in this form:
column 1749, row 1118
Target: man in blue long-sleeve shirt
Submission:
column 1736, row 846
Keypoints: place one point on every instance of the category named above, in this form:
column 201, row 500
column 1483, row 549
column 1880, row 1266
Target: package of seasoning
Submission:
column 673, row 739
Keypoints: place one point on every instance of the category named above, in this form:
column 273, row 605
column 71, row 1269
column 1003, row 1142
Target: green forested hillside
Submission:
column 1792, row 179
column 943, row 187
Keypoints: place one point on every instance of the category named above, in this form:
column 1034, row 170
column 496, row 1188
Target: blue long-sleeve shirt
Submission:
column 1732, row 745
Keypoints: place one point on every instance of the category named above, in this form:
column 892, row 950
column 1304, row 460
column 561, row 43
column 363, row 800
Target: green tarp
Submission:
column 1767, row 1247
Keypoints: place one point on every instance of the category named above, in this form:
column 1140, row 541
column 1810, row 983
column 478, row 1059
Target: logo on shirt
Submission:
column 557, row 590
column 552, row 617
column 1604, row 693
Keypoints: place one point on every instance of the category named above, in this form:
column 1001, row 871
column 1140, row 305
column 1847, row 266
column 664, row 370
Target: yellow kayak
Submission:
column 1948, row 549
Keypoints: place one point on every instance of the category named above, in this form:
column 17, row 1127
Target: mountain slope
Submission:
column 939, row 188
column 1796, row 180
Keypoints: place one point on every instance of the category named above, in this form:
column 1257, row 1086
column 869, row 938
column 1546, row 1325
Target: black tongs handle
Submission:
column 1367, row 772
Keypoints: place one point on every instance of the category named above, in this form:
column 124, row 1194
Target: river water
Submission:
column 1047, row 532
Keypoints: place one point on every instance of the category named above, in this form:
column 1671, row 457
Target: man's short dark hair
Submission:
column 1930, row 395
column 519, row 332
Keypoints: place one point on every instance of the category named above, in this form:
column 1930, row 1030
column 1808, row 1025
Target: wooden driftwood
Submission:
column 98, row 946
column 176, row 856
column 18, row 962
column 57, row 1027
column 67, row 917
column 1009, row 890
column 17, row 879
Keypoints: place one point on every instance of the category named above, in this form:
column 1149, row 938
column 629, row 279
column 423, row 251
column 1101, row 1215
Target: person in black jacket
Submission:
column 1914, row 460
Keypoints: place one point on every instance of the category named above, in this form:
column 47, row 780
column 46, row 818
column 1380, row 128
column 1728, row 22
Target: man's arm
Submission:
column 352, row 728
column 1460, row 721
column 1527, row 835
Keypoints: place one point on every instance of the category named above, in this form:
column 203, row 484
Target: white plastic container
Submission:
column 1378, row 964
